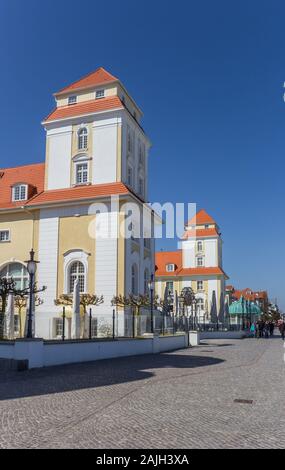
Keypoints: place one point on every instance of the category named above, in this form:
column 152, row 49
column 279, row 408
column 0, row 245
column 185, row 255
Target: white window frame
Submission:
column 130, row 176
column 170, row 268
column 69, row 258
column 18, row 188
column 23, row 278
column 8, row 238
column 83, row 139
column 198, row 263
column 201, row 283
column 200, row 303
column 81, row 164
column 199, row 243
column 99, row 94
column 72, row 100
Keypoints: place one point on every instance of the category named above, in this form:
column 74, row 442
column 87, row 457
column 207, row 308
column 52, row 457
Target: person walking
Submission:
column 282, row 330
column 266, row 329
column 271, row 328
column 252, row 330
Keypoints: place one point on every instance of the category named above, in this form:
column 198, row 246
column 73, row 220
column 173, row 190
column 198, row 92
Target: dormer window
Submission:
column 170, row 268
column 20, row 192
column 72, row 99
column 100, row 94
column 83, row 139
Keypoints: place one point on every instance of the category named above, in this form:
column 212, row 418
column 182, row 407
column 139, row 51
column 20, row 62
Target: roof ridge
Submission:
column 84, row 78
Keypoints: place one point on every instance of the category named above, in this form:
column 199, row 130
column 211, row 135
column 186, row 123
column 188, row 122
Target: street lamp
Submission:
column 151, row 290
column 31, row 268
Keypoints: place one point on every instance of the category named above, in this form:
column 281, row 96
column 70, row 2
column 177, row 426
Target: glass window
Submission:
column 83, row 139
column 170, row 268
column 19, row 274
column 200, row 285
column 77, row 271
column 82, row 173
column 146, row 281
column 4, row 236
column 199, row 245
column 20, row 192
column 72, row 99
column 170, row 287
column 135, row 283
column 59, row 327
column 130, row 176
column 200, row 304
column 100, row 93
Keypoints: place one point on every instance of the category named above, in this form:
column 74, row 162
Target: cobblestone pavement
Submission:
column 183, row 399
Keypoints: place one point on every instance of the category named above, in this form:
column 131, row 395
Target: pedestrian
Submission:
column 282, row 330
column 252, row 330
column 271, row 328
column 266, row 330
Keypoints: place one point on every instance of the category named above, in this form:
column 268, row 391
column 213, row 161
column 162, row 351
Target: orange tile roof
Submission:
column 99, row 77
column 163, row 258
column 203, row 271
column 86, row 107
column 248, row 294
column 203, row 233
column 175, row 257
column 201, row 218
column 79, row 193
column 33, row 175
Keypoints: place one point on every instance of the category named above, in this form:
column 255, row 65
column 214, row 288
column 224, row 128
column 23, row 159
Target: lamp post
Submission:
column 151, row 290
column 31, row 268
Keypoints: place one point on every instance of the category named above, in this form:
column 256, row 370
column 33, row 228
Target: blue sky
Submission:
column 209, row 77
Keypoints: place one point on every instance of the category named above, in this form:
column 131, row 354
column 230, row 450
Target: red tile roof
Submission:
column 97, row 78
column 163, row 258
column 201, row 271
column 249, row 294
column 203, row 233
column 33, row 175
column 79, row 193
column 201, row 218
column 86, row 107
column 175, row 257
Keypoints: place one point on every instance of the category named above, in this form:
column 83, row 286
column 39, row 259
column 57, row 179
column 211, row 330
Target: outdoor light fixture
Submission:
column 151, row 289
column 32, row 269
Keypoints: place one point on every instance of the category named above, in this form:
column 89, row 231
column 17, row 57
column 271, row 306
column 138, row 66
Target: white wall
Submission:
column 106, row 260
column 211, row 252
column 105, row 140
column 40, row 354
column 60, row 144
column 189, row 260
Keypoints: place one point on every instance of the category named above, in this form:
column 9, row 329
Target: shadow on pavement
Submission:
column 96, row 374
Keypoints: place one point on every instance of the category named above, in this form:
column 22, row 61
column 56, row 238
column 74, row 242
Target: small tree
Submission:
column 8, row 286
column 86, row 300
column 21, row 303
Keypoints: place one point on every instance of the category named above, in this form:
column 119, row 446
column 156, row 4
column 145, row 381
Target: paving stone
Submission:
column 184, row 399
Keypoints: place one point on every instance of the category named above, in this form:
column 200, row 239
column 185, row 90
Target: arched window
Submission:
column 135, row 283
column 83, row 139
column 19, row 274
column 77, row 271
column 146, row 281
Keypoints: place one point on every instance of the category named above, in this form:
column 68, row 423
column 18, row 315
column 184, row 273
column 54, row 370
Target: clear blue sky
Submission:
column 209, row 76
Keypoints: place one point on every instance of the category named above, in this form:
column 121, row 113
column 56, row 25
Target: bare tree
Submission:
column 86, row 300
